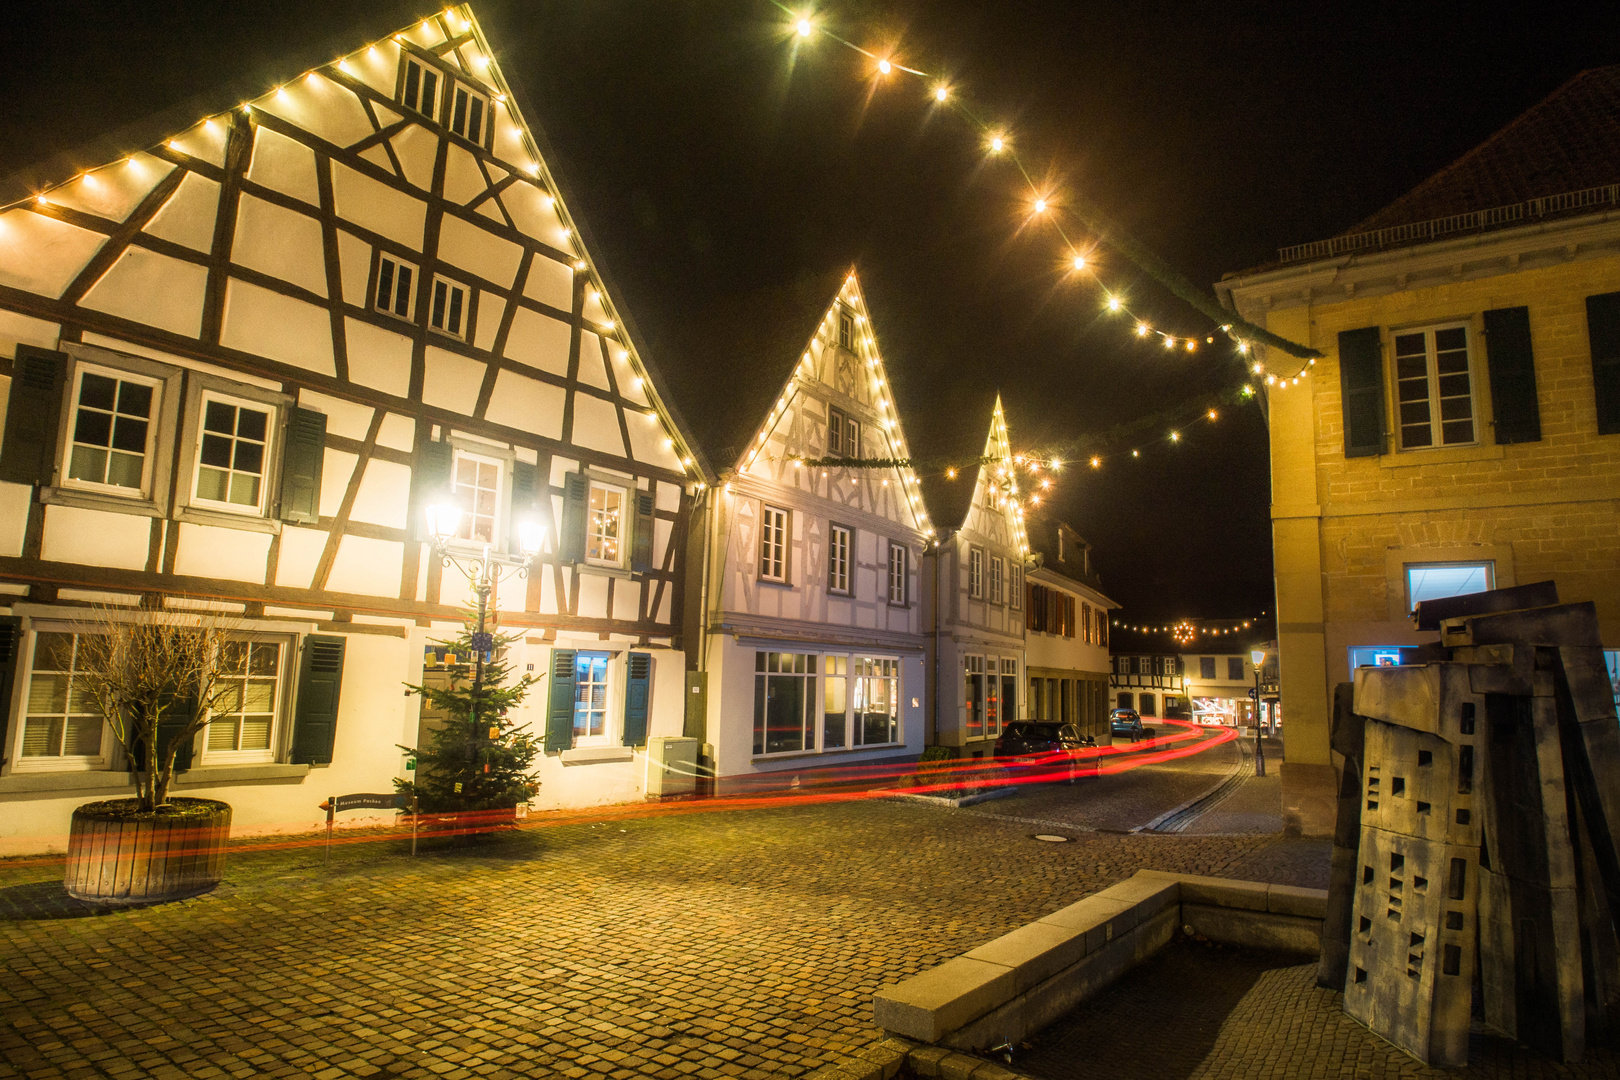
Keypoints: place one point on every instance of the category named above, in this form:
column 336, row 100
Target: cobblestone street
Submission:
column 727, row 943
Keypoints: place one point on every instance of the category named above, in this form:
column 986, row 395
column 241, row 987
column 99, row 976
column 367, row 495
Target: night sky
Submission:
column 712, row 163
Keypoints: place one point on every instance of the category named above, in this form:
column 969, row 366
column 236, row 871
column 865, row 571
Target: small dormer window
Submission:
column 419, row 90
column 469, row 113
column 846, row 330
column 396, row 279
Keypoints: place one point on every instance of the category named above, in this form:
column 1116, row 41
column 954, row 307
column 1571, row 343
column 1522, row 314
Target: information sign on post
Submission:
column 365, row 800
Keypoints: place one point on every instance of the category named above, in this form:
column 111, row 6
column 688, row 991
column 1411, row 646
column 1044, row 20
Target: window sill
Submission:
column 224, row 519
column 95, row 500
column 603, row 571
column 1441, row 455
column 789, row 755
column 596, row 755
column 117, row 781
column 237, row 774
column 774, row 583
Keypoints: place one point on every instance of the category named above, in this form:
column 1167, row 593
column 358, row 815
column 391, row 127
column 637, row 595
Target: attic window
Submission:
column 843, row 434
column 419, row 89
column 395, row 278
column 449, row 314
column 846, row 330
column 469, row 112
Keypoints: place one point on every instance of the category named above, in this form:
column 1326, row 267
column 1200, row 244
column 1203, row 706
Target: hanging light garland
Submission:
column 1186, row 630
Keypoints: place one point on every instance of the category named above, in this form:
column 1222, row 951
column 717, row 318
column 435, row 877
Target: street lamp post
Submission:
column 1259, row 657
column 484, row 573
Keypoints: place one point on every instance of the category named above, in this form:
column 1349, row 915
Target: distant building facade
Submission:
column 1152, row 683
column 1066, row 632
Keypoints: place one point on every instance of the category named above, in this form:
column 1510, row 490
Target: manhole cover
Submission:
column 1052, row 838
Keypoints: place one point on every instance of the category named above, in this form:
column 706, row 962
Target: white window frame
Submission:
column 974, row 665
column 503, row 468
column 392, row 265
column 437, row 318
column 283, row 682
column 998, row 577
column 976, row 573
column 52, row 762
column 840, row 551
column 899, row 575
column 1432, row 386
column 1488, row 565
column 608, row 682
column 267, row 470
column 813, row 701
column 846, row 330
column 775, row 543
column 862, row 667
column 1015, row 586
column 459, row 126
column 413, row 101
column 153, row 421
column 626, row 494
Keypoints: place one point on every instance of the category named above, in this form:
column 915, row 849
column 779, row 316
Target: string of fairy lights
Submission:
column 1186, row 631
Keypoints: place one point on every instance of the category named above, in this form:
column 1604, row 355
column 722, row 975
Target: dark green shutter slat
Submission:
column 302, row 458
column 641, row 541
column 560, row 702
column 430, row 479
column 32, row 416
column 637, row 689
column 1513, row 375
column 571, row 543
column 525, row 502
column 1603, row 331
column 10, row 647
column 1361, row 383
column 320, row 681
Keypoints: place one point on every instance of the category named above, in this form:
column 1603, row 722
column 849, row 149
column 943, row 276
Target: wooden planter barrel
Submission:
column 118, row 856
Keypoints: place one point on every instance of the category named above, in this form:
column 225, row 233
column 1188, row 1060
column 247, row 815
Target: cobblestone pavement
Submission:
column 742, row 943
column 1286, row 1027
column 1256, row 805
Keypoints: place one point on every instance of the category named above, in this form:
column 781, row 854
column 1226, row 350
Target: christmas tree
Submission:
column 477, row 759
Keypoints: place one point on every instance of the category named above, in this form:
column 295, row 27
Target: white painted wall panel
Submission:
column 278, row 327
column 95, row 538
column 661, row 531
column 425, row 33
column 378, row 207
column 511, row 594
column 668, row 496
column 664, row 606
column 378, row 68
column 649, row 443
column 416, row 147
column 509, row 143
column 379, row 157
column 536, row 216
column 281, row 243
column 367, row 566
column 627, row 600
column 15, row 500
column 527, row 404
column 346, row 418
column 354, row 266
column 463, row 180
column 377, row 358
column 146, row 287
column 43, row 255
column 593, row 596
column 336, row 469
column 451, row 381
column 284, row 165
column 205, row 141
column 384, row 495
column 592, row 368
column 548, row 583
column 478, row 251
column 210, row 552
column 300, row 550
column 631, row 386
column 596, row 425
column 397, row 432
column 115, row 190
column 490, row 310
column 538, row 341
column 319, row 105
column 188, row 217
column 24, row 330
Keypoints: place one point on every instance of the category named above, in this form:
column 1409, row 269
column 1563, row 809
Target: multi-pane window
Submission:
column 838, row 550
column 1015, row 586
column 976, row 573
column 784, row 702
column 112, row 430
column 846, row 330
column 590, row 695
column 1009, row 689
column 843, row 434
column 476, row 488
column 1433, row 388
column 997, row 576
column 835, row 703
column 420, row 88
column 469, row 113
column 875, row 699
column 245, row 714
column 231, row 454
column 449, row 309
column 898, row 572
column 773, row 544
column 604, row 525
column 1206, row 667
column 1234, row 669
column 974, row 696
column 396, row 294
column 61, row 721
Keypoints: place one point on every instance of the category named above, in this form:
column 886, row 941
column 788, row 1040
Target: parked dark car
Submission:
column 1126, row 722
column 1024, row 737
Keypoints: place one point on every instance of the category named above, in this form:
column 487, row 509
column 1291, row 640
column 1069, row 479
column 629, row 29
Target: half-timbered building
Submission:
column 814, row 637
column 975, row 599
column 1066, row 631
column 246, row 353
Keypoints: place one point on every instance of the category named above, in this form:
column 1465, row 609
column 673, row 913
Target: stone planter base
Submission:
column 117, row 856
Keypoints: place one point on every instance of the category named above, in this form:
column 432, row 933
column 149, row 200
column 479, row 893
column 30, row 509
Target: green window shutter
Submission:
column 1603, row 331
column 641, row 541
column 571, row 540
column 174, row 722
column 32, row 415
column 637, row 689
column 560, row 703
column 430, row 479
column 525, row 503
column 1513, row 375
column 10, row 649
column 302, row 456
column 1361, row 384
column 320, row 679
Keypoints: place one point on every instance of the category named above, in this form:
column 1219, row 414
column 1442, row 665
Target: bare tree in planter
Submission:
column 157, row 679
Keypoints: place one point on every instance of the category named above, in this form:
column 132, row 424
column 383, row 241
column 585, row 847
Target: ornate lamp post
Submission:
column 484, row 573
column 1259, row 658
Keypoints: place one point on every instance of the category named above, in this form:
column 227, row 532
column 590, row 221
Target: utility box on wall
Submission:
column 672, row 766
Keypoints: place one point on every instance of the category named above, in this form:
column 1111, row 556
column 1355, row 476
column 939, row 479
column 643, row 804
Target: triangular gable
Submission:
column 345, row 142
column 855, row 381
column 997, row 512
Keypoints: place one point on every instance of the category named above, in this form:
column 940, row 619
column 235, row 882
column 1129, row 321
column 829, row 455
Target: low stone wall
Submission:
column 1009, row 988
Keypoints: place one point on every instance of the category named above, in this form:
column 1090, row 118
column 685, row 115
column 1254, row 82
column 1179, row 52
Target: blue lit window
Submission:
column 1431, row 581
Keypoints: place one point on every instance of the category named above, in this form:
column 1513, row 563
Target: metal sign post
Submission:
column 365, row 801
